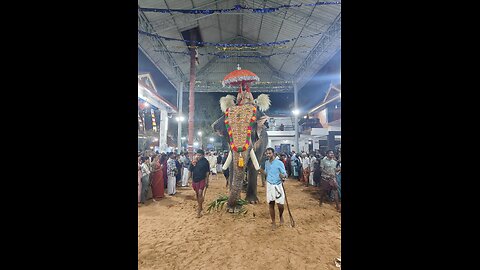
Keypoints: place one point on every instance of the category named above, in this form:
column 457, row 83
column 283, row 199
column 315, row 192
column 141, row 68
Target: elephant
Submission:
column 244, row 118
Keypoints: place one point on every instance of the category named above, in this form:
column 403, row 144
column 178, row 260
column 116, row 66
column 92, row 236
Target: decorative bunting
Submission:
column 236, row 8
column 226, row 56
column 223, row 49
column 253, row 48
column 227, row 45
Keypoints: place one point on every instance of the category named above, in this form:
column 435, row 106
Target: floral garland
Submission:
column 249, row 131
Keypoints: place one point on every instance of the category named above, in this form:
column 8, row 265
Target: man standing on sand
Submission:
column 172, row 174
column 275, row 172
column 305, row 168
column 199, row 172
column 328, row 182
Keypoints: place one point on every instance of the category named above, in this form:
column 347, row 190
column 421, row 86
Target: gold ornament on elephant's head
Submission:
column 239, row 121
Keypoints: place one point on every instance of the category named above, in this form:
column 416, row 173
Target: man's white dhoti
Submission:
column 275, row 193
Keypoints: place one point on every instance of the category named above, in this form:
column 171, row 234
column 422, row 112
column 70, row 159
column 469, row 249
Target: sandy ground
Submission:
column 170, row 237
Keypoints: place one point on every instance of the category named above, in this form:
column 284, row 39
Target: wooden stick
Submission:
column 292, row 221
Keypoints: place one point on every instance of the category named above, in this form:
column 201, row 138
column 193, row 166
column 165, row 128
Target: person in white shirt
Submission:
column 181, row 159
column 212, row 161
column 305, row 168
column 300, row 167
column 312, row 169
column 171, row 173
column 185, row 165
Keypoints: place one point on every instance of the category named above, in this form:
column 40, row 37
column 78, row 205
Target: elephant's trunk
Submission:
column 238, row 177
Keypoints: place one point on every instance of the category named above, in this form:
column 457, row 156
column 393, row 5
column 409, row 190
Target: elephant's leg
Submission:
column 236, row 187
column 230, row 178
column 251, row 196
column 245, row 181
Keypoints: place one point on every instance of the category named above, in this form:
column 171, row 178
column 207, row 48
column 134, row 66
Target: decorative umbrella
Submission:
column 242, row 78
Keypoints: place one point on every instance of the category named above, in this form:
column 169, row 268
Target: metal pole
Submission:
column 295, row 98
column 180, row 114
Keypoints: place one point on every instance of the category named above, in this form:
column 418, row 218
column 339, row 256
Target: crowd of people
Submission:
column 314, row 169
column 160, row 173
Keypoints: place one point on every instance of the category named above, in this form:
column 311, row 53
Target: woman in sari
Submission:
column 157, row 179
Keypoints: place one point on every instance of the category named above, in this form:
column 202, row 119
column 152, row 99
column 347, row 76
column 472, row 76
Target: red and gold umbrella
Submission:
column 240, row 77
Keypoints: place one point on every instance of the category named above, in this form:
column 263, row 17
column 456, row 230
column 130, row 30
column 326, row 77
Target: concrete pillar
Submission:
column 163, row 130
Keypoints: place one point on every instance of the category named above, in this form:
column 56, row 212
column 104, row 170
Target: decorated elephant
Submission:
column 244, row 126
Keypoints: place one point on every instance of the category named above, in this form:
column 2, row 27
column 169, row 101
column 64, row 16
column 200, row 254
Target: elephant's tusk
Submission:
column 228, row 161
column 254, row 160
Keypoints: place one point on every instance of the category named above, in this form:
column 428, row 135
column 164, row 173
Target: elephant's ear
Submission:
column 261, row 118
column 219, row 126
column 263, row 102
column 226, row 102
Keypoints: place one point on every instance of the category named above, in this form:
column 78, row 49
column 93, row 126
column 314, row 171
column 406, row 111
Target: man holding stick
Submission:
column 275, row 172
